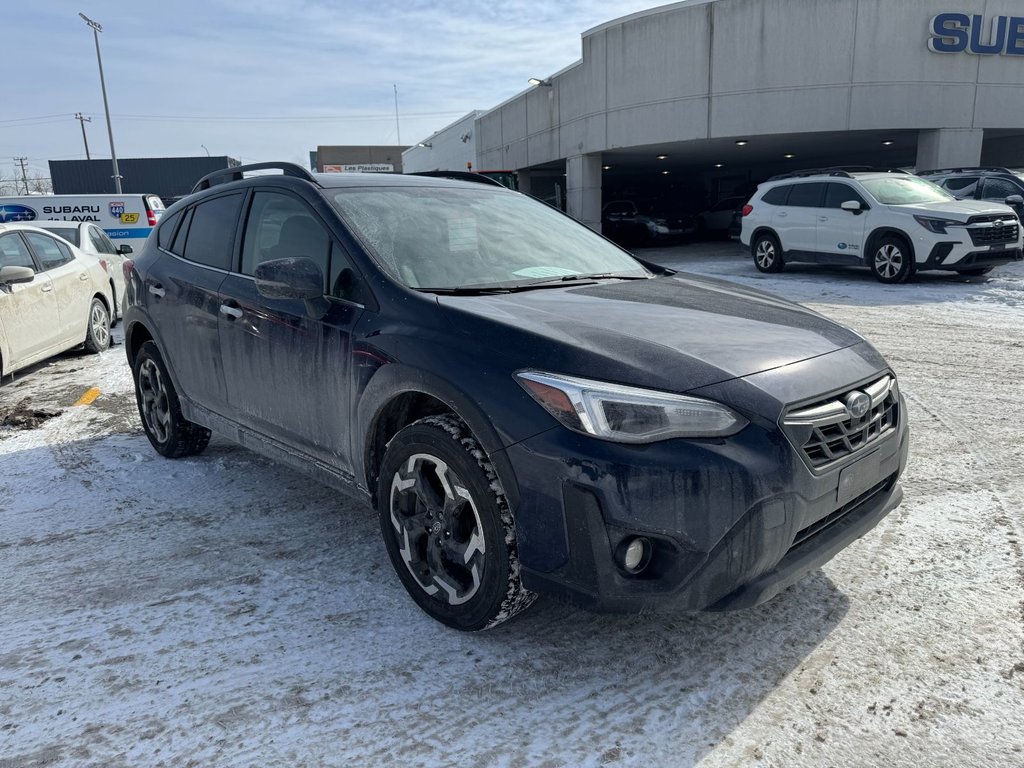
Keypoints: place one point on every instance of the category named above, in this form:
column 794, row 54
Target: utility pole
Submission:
column 398, row 128
column 96, row 29
column 83, row 120
column 24, row 178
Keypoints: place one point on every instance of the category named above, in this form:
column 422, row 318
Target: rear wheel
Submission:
column 97, row 333
column 891, row 260
column 170, row 433
column 767, row 253
column 447, row 526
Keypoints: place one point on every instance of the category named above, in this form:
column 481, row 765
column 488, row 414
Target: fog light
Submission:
column 636, row 555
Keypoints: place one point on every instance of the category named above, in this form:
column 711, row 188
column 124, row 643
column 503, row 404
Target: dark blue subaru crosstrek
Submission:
column 529, row 408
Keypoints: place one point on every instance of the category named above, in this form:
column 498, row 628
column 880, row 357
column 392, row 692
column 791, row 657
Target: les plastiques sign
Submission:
column 360, row 168
column 961, row 33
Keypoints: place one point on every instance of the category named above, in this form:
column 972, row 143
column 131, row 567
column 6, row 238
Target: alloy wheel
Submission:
column 99, row 322
column 438, row 529
column 888, row 261
column 765, row 253
column 155, row 406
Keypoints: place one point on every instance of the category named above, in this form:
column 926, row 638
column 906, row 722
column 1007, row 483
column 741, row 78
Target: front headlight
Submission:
column 627, row 414
column 938, row 226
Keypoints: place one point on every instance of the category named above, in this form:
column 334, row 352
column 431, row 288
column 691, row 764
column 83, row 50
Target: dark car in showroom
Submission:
column 628, row 222
column 994, row 184
column 529, row 408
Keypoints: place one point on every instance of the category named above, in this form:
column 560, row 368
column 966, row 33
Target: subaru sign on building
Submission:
column 725, row 93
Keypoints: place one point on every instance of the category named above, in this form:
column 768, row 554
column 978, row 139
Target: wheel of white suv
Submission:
column 891, row 260
column 767, row 253
column 447, row 526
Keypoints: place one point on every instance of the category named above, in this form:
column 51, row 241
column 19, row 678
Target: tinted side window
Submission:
column 807, row 195
column 777, row 196
column 837, row 194
column 178, row 246
column 101, row 242
column 281, row 226
column 961, row 186
column 51, row 253
column 211, row 235
column 166, row 231
column 998, row 189
column 13, row 253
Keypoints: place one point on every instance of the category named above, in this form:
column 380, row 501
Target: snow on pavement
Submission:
column 224, row 611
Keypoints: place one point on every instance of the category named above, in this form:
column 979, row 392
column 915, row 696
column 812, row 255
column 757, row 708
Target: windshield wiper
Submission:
column 555, row 282
column 587, row 278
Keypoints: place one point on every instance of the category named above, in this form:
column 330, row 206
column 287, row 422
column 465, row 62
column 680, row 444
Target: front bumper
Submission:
column 953, row 255
column 722, row 516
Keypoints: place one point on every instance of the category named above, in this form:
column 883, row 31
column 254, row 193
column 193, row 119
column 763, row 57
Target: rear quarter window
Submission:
column 211, row 234
column 166, row 230
column 778, row 195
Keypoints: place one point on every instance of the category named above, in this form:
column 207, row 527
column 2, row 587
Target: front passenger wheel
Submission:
column 171, row 434
column 447, row 526
column 891, row 260
column 767, row 253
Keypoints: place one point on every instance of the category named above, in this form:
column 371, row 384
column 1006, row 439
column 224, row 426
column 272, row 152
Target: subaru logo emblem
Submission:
column 857, row 403
column 11, row 212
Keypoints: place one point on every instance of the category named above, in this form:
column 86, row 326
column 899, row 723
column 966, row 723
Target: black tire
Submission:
column 441, row 509
column 767, row 253
column 976, row 272
column 169, row 432
column 891, row 260
column 97, row 331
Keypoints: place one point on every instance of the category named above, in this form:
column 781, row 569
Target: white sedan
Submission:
column 52, row 298
column 91, row 239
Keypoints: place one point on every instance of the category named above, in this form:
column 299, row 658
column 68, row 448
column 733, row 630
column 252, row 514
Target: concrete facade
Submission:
column 453, row 148
column 796, row 80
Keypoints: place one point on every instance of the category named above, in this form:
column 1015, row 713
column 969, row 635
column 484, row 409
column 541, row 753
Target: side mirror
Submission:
column 295, row 277
column 853, row 206
column 1015, row 201
column 124, row 250
column 11, row 275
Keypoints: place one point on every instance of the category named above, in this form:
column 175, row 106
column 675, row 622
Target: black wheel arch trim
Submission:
column 766, row 230
column 396, row 379
column 885, row 231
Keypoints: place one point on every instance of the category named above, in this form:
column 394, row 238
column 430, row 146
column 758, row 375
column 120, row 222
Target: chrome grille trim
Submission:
column 826, row 432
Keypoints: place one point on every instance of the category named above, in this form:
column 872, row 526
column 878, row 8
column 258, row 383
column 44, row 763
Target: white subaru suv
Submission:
column 890, row 221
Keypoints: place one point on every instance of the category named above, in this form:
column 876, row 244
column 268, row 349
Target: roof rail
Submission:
column 479, row 178
column 235, row 174
column 843, row 171
column 993, row 169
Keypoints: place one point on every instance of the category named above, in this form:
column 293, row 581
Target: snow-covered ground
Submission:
column 223, row 611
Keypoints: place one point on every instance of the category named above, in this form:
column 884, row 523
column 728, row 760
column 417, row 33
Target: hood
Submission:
column 960, row 210
column 675, row 333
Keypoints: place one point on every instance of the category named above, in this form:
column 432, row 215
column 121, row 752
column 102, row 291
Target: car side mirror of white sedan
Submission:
column 853, row 206
column 11, row 275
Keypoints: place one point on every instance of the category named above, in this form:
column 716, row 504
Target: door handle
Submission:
column 157, row 290
column 234, row 312
column 46, row 288
column 823, row 218
column 782, row 215
column 83, row 277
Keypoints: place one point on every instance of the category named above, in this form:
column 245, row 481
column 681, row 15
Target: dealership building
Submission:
column 717, row 95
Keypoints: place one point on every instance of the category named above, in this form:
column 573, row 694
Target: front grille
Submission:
column 827, row 431
column 993, row 231
column 819, row 526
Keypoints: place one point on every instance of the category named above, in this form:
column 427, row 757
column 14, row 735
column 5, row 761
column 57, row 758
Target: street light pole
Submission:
column 96, row 29
column 83, row 120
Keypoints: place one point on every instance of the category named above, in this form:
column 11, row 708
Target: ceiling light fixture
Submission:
column 426, row 144
column 888, row 143
column 606, row 167
column 663, row 157
column 789, row 155
column 665, row 173
column 538, row 81
column 742, row 143
column 719, row 165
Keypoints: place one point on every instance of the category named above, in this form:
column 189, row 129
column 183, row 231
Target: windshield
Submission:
column 905, row 191
column 451, row 238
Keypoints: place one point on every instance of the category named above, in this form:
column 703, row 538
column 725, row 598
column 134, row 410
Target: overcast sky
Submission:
column 270, row 79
